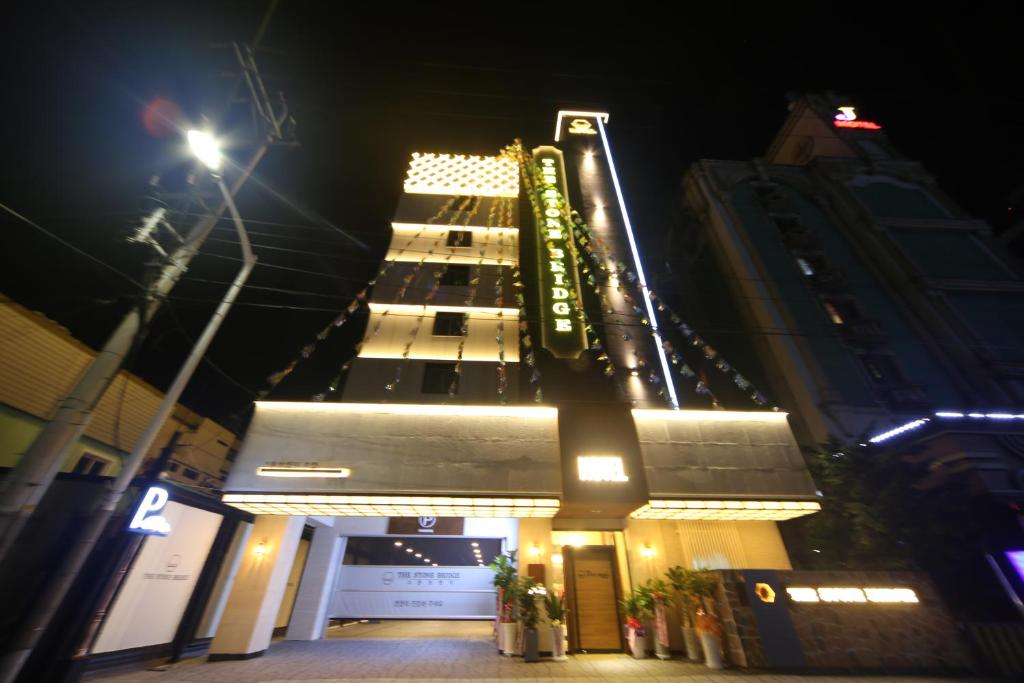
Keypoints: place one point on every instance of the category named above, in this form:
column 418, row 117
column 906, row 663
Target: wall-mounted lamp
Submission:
column 534, row 550
column 556, row 558
column 647, row 551
column 576, row 540
column 261, row 549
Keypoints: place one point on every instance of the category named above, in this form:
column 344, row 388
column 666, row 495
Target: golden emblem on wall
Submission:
column 581, row 127
column 765, row 592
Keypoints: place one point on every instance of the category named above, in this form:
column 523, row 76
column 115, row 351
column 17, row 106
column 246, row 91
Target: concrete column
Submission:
column 247, row 626
column 309, row 616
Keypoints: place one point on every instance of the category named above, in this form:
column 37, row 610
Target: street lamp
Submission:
column 205, row 148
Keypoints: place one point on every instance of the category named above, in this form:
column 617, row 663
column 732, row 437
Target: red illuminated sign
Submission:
column 847, row 118
column 867, row 125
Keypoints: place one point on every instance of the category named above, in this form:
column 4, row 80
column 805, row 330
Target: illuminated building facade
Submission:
column 880, row 312
column 509, row 394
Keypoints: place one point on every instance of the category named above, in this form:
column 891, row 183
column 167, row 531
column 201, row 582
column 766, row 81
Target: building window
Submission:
column 173, row 467
column 882, row 369
column 89, row 464
column 190, row 473
column 842, row 311
column 456, row 276
column 460, row 238
column 447, row 324
column 439, row 378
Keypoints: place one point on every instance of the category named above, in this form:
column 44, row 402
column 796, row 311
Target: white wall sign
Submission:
column 157, row 590
column 147, row 519
column 850, row 594
column 601, row 468
column 382, row 592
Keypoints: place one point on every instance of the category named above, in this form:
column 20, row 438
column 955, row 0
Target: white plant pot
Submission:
column 660, row 651
column 639, row 647
column 692, row 643
column 510, row 639
column 712, row 650
column 559, row 638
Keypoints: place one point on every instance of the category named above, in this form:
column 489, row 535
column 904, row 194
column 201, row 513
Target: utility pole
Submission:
column 45, row 606
column 25, row 486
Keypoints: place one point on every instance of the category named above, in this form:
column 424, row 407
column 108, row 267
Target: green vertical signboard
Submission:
column 561, row 315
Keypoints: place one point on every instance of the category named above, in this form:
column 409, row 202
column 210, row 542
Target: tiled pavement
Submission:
column 397, row 652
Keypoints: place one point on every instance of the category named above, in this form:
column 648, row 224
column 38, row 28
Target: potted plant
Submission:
column 557, row 613
column 505, row 580
column 634, row 607
column 656, row 595
column 679, row 578
column 702, row 586
column 528, row 591
column 710, row 632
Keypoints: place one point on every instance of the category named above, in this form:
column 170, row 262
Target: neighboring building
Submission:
column 510, row 393
column 880, row 313
column 39, row 362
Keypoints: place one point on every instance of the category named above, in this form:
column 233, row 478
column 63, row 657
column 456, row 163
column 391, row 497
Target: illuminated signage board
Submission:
column 849, row 594
column 562, row 331
column 847, row 118
column 581, row 127
column 303, row 470
column 601, row 468
column 147, row 519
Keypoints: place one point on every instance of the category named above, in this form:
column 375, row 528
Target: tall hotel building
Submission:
column 512, row 392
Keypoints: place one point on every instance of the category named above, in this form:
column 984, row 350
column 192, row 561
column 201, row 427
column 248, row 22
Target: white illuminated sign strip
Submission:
column 849, row 594
column 391, row 506
column 764, row 510
column 639, row 269
column 147, row 519
column 601, row 468
column 299, row 471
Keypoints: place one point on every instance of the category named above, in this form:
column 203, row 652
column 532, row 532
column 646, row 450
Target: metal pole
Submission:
column 46, row 606
column 24, row 487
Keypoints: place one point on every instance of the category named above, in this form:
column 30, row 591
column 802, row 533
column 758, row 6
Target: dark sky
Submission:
column 370, row 85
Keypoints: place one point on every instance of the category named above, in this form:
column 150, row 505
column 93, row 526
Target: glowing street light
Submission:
column 205, row 148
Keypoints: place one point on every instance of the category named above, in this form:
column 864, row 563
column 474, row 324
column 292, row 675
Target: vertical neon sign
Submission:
column 562, row 330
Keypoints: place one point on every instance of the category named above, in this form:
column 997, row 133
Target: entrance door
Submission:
column 592, row 587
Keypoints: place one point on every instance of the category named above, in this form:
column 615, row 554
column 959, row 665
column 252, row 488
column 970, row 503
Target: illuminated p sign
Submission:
column 147, row 519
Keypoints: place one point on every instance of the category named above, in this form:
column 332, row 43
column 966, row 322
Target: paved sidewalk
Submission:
column 411, row 651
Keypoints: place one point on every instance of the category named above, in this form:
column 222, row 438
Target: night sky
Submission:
column 369, row 86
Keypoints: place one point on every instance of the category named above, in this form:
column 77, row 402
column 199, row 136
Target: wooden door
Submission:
column 592, row 587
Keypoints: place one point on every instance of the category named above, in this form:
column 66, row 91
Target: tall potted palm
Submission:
column 527, row 592
column 679, row 578
column 505, row 580
column 557, row 613
column 702, row 585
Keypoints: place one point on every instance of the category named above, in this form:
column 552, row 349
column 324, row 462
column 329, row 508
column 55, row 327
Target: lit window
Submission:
column 439, row 378
column 805, row 267
column 448, row 324
column 460, row 238
column 833, row 313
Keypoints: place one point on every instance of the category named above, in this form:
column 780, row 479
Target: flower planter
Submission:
column 712, row 649
column 639, row 647
column 509, row 638
column 692, row 642
column 559, row 634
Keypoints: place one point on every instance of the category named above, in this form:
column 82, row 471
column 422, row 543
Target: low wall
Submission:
column 772, row 630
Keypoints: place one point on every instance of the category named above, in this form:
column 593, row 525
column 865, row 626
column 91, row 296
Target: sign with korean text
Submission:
column 561, row 318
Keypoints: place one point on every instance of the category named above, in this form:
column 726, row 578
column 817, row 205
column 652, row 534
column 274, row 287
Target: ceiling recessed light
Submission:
column 398, row 543
column 475, row 544
column 419, row 555
column 408, row 550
